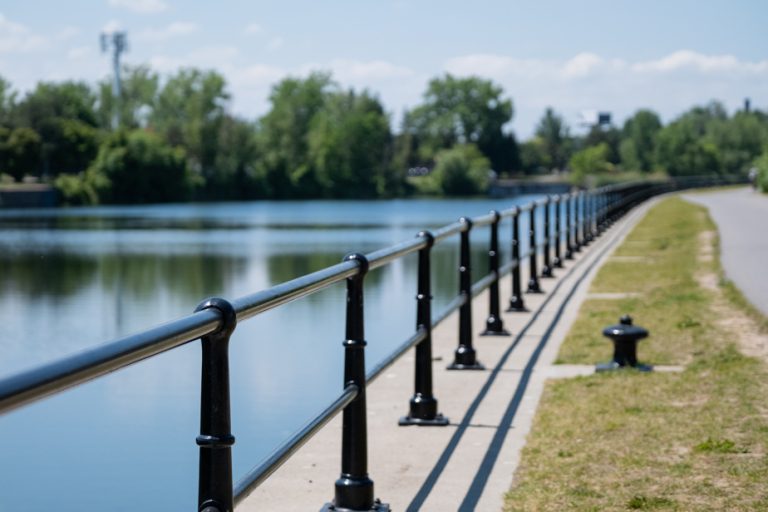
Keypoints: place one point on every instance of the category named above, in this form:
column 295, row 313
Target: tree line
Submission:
column 177, row 140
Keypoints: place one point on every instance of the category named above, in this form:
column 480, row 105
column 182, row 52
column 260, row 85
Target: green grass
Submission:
column 656, row 261
column 695, row 440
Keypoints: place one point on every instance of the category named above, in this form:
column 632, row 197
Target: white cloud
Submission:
column 693, row 61
column 175, row 29
column 669, row 84
column 258, row 75
column 141, row 6
column 582, row 65
column 17, row 38
column 496, row 66
column 253, row 29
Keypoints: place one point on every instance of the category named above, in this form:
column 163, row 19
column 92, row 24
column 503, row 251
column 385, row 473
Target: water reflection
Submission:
column 60, row 274
column 72, row 278
column 56, row 274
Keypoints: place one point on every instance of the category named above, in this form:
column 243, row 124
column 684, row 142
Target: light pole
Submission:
column 118, row 43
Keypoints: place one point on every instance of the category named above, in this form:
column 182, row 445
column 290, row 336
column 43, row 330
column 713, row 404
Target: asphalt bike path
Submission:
column 741, row 216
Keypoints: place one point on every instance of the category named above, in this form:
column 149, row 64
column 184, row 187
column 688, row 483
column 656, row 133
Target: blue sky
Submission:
column 614, row 56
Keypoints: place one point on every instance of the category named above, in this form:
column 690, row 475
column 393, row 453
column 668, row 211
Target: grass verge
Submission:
column 695, row 440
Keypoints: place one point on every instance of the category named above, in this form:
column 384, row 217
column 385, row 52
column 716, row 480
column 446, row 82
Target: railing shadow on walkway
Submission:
column 570, row 222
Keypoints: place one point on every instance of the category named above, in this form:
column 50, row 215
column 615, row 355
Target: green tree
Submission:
column 608, row 135
column 64, row 116
column 590, row 161
column 554, row 140
column 235, row 162
column 686, row 147
column 761, row 164
column 139, row 91
column 533, row 158
column 461, row 171
column 739, row 140
column 284, row 135
column 7, row 101
column 463, row 111
column 350, row 147
column 19, row 152
column 131, row 167
column 638, row 141
column 189, row 112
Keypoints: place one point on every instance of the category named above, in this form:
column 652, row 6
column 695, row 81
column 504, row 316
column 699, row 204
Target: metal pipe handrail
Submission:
column 388, row 361
column 381, row 257
column 483, row 283
column 48, row 379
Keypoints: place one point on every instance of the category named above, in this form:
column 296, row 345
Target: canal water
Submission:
column 73, row 278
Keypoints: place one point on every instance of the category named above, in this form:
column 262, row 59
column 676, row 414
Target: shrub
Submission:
column 761, row 164
column 461, row 171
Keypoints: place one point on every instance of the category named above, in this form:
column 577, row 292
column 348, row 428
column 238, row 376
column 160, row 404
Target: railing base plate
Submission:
column 460, row 366
column 491, row 332
column 438, row 421
column 378, row 506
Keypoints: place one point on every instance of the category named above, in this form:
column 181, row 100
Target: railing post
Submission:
column 568, row 228
column 600, row 216
column 494, row 326
column 577, row 216
column 215, row 439
column 547, row 270
column 465, row 357
column 588, row 233
column 533, row 281
column 516, row 302
column 423, row 405
column 558, row 232
column 354, row 489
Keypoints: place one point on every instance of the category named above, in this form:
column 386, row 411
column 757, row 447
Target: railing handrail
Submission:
column 48, row 379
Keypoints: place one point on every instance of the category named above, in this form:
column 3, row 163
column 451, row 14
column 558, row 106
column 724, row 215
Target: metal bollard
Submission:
column 423, row 405
column 516, row 302
column 624, row 336
column 494, row 326
column 215, row 439
column 354, row 489
column 465, row 357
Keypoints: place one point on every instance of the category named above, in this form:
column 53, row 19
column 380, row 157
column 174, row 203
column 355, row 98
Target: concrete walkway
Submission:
column 469, row 464
column 741, row 216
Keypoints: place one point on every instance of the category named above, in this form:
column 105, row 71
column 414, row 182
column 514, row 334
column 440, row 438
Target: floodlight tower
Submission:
column 118, row 43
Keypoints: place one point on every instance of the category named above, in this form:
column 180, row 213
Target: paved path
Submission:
column 469, row 464
column 742, row 220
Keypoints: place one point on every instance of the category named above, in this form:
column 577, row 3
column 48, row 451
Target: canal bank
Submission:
column 28, row 196
column 467, row 465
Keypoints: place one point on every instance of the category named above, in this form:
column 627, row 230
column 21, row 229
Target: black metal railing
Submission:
column 586, row 215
